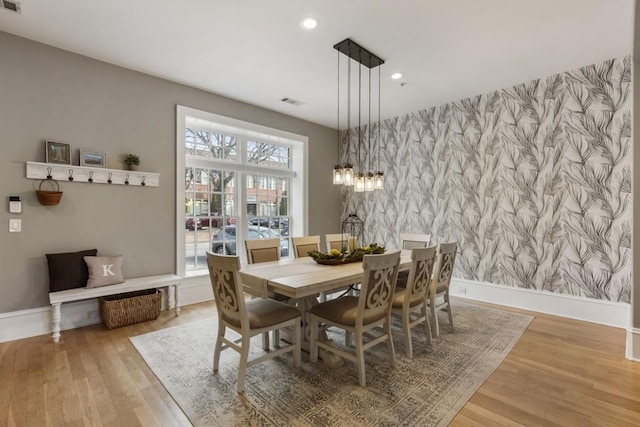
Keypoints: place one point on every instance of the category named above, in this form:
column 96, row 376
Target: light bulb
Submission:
column 337, row 175
column 379, row 180
column 359, row 182
column 348, row 174
column 369, row 184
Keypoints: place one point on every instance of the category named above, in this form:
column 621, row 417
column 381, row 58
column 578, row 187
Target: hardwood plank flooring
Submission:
column 562, row 372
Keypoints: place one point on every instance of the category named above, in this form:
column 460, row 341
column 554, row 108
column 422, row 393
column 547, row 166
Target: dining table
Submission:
column 302, row 280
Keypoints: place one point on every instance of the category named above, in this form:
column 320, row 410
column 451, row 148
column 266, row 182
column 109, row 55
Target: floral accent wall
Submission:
column 533, row 182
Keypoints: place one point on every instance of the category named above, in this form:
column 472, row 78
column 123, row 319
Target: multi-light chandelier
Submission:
column 343, row 173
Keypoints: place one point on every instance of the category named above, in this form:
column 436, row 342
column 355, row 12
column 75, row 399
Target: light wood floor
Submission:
column 562, row 372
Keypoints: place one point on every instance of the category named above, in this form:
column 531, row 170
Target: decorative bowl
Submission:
column 337, row 261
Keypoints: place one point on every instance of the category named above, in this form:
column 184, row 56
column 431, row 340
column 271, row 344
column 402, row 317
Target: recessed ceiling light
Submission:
column 396, row 76
column 309, row 23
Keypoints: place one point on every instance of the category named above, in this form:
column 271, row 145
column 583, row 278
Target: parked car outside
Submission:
column 224, row 241
column 191, row 223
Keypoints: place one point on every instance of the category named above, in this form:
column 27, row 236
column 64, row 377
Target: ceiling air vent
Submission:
column 292, row 101
column 12, row 6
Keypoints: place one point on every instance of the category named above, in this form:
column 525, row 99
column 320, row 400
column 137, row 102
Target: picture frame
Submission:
column 94, row 159
column 57, row 152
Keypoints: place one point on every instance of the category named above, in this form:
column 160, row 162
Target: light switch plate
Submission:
column 15, row 225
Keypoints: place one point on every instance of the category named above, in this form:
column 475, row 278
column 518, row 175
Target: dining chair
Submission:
column 357, row 315
column 247, row 318
column 411, row 300
column 441, row 282
column 266, row 250
column 262, row 250
column 336, row 241
column 302, row 245
column 411, row 240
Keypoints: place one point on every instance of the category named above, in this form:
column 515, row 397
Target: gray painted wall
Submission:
column 533, row 182
column 47, row 93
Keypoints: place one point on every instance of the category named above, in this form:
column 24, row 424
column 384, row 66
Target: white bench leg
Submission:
column 55, row 322
column 177, row 298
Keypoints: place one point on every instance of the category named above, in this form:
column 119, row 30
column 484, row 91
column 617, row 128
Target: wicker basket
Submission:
column 131, row 307
column 49, row 198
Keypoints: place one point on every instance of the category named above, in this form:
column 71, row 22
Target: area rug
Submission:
column 426, row 390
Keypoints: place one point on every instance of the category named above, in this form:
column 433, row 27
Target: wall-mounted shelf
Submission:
column 62, row 173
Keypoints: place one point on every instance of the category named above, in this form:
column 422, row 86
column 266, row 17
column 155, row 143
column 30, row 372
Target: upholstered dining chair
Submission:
column 357, row 315
column 262, row 250
column 247, row 318
column 266, row 250
column 411, row 301
column 410, row 241
column 441, row 282
column 302, row 245
column 335, row 241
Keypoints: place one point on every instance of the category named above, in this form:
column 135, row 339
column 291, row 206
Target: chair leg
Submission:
column 276, row 338
column 244, row 357
column 360, row 359
column 265, row 341
column 407, row 333
column 348, row 339
column 323, row 296
column 218, row 348
column 297, row 336
column 446, row 296
column 313, row 337
column 434, row 317
column 427, row 324
column 390, row 349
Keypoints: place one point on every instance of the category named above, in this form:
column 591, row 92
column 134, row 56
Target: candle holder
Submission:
column 352, row 232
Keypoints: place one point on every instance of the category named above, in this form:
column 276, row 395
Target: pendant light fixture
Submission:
column 344, row 174
column 379, row 175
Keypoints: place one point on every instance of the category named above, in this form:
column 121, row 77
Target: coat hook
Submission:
column 143, row 178
column 70, row 174
column 49, row 173
column 126, row 180
column 90, row 176
column 109, row 180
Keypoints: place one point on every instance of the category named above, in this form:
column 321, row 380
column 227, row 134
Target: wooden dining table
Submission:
column 302, row 280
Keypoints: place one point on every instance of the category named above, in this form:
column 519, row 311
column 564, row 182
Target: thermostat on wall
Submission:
column 15, row 205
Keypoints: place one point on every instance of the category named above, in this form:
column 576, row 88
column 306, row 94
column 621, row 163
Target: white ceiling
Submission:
column 256, row 52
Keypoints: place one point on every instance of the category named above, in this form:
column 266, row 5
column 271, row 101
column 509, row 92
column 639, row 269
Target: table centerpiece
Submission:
column 344, row 256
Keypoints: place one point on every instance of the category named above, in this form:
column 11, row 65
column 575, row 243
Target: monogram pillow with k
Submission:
column 104, row 270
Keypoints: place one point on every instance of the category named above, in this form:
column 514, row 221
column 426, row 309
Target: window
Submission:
column 235, row 181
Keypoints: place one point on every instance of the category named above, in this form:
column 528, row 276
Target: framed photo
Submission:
column 95, row 159
column 57, row 152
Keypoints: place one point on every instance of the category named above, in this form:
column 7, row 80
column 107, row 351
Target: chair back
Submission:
column 420, row 274
column 336, row 241
column 444, row 266
column 378, row 286
column 262, row 250
column 410, row 241
column 302, row 245
column 225, row 281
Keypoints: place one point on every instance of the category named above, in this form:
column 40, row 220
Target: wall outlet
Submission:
column 462, row 290
column 94, row 314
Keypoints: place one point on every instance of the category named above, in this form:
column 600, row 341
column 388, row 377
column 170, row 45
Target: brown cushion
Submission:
column 344, row 310
column 303, row 250
column 263, row 313
column 401, row 294
column 104, row 270
column 264, row 255
column 68, row 270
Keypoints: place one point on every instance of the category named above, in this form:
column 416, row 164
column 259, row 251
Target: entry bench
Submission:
column 165, row 282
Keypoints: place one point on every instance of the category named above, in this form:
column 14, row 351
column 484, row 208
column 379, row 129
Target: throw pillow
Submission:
column 68, row 270
column 104, row 270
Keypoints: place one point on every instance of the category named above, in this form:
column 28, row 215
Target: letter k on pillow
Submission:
column 104, row 270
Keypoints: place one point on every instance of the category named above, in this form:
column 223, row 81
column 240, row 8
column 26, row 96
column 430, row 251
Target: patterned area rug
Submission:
column 426, row 390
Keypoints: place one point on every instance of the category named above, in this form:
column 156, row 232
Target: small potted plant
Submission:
column 132, row 161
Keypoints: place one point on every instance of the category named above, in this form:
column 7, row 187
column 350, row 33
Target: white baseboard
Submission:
column 37, row 321
column 633, row 344
column 587, row 309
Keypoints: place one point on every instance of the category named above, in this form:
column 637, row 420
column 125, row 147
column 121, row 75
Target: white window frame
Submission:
column 298, row 173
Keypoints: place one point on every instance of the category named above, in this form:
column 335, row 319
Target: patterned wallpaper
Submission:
column 533, row 182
